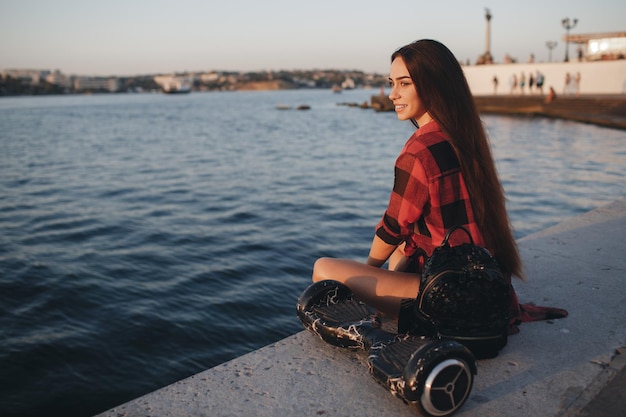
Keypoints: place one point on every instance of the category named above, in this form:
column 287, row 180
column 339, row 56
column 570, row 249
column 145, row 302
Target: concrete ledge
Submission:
column 602, row 110
column 608, row 110
column 551, row 368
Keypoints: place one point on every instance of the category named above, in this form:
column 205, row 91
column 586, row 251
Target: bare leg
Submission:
column 397, row 260
column 380, row 288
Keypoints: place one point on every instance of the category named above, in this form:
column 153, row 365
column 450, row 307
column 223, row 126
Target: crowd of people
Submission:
column 533, row 83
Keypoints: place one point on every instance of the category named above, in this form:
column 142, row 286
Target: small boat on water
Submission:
column 172, row 84
column 348, row 84
column 178, row 90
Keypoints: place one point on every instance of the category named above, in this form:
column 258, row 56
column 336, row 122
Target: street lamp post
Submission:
column 551, row 45
column 567, row 24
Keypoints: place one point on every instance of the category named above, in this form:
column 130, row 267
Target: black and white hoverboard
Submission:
column 433, row 375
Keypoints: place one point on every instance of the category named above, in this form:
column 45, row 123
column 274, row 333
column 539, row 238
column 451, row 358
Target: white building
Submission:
column 28, row 76
column 60, row 79
column 110, row 84
column 600, row 46
column 209, row 77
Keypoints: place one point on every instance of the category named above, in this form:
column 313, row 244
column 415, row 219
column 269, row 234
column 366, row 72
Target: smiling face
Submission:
column 404, row 95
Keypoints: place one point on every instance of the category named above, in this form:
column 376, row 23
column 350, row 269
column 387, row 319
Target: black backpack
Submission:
column 463, row 296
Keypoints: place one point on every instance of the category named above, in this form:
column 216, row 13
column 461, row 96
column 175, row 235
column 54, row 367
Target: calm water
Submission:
column 145, row 238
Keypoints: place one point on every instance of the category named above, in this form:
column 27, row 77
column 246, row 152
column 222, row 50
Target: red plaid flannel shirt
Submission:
column 429, row 195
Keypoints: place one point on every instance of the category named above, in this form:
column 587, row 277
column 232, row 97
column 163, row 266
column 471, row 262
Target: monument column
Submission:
column 488, row 58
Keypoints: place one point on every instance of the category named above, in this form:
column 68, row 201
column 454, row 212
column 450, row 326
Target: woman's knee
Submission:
column 321, row 269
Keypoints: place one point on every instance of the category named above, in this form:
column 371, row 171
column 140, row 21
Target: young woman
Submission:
column 444, row 176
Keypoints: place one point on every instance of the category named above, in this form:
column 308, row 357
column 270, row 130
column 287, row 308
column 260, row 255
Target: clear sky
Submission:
column 132, row 37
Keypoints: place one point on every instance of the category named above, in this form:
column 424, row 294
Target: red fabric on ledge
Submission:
column 521, row 313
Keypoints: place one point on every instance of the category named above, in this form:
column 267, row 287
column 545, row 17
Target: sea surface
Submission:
column 145, row 238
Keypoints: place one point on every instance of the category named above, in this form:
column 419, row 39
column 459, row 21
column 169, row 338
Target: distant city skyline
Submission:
column 134, row 37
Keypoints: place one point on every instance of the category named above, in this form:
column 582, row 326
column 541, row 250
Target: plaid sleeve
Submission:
column 407, row 201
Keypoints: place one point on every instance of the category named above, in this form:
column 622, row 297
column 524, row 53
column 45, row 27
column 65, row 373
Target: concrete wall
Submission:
column 599, row 77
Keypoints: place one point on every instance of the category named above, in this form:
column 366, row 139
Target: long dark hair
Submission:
column 442, row 88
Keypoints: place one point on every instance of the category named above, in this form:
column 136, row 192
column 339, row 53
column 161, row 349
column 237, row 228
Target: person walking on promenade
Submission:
column 445, row 176
column 577, row 84
column 522, row 83
column 513, row 84
column 540, row 80
column 568, row 84
column 495, row 85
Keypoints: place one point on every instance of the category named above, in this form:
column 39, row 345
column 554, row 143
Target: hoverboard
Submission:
column 433, row 375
